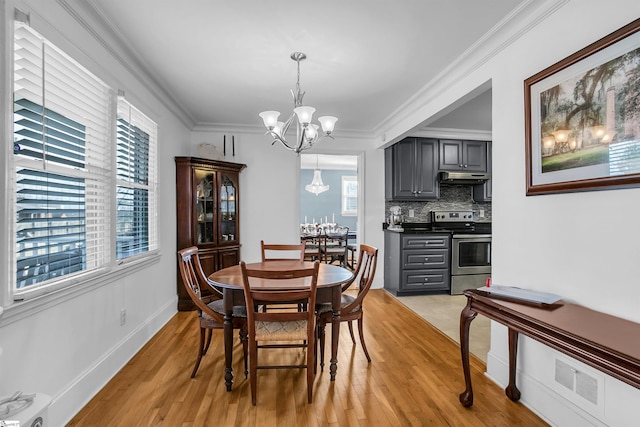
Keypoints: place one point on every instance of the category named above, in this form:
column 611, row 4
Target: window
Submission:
column 136, row 179
column 349, row 195
column 67, row 180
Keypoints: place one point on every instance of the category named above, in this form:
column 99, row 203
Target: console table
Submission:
column 607, row 343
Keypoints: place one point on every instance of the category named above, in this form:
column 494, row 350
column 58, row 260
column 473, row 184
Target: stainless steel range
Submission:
column 470, row 248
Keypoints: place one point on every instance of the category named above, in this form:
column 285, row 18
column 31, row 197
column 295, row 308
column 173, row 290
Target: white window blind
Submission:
column 349, row 195
column 136, row 182
column 62, row 161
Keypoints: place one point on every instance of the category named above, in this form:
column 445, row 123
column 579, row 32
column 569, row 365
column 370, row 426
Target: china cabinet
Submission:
column 207, row 214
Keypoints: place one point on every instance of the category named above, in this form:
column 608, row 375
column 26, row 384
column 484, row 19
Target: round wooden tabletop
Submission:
column 328, row 275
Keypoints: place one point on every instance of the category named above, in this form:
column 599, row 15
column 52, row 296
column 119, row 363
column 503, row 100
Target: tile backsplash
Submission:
column 452, row 197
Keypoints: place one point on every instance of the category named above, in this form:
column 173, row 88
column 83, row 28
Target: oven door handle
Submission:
column 471, row 236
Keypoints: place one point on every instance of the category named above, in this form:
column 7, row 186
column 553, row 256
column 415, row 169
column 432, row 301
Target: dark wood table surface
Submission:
column 330, row 281
column 605, row 342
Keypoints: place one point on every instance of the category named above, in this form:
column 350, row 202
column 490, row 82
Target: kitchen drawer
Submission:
column 415, row 280
column 414, row 241
column 425, row 258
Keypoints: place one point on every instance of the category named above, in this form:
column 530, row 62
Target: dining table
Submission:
column 329, row 290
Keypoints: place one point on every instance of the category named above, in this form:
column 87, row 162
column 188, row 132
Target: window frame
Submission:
column 346, row 182
column 18, row 305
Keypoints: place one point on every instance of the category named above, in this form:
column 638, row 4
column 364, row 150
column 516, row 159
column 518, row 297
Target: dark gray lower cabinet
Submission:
column 417, row 264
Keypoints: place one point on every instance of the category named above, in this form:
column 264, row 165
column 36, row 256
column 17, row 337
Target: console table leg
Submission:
column 512, row 391
column 466, row 316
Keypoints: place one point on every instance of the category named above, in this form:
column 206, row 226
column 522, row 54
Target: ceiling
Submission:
column 223, row 62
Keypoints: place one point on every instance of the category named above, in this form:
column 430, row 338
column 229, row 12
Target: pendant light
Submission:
column 317, row 186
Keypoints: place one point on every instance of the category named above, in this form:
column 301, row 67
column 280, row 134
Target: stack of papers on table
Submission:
column 521, row 294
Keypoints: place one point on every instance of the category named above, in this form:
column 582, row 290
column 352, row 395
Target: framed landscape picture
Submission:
column 582, row 118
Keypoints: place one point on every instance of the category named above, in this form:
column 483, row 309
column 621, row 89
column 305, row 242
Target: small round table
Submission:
column 330, row 281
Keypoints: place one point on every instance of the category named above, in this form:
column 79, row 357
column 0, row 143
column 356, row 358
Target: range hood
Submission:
column 468, row 178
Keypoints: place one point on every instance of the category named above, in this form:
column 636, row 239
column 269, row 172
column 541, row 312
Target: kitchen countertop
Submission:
column 427, row 228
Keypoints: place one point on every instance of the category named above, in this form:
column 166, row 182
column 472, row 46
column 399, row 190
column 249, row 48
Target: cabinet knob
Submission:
column 466, row 166
column 426, row 259
column 426, row 279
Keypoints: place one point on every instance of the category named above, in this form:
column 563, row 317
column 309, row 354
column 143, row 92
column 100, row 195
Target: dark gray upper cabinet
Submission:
column 411, row 170
column 482, row 192
column 457, row 155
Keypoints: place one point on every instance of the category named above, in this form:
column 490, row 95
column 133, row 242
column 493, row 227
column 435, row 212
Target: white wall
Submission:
column 269, row 188
column 570, row 244
column 563, row 243
column 579, row 245
column 71, row 349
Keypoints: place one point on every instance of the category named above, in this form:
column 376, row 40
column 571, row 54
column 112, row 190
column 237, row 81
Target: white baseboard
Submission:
column 540, row 399
column 70, row 401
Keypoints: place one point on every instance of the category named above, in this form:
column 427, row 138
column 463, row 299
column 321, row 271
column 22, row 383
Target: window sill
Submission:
column 18, row 310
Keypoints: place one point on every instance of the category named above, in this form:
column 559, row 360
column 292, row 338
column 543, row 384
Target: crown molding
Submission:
column 89, row 16
column 251, row 129
column 452, row 133
column 512, row 27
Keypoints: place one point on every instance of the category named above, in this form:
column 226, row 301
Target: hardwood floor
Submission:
column 414, row 379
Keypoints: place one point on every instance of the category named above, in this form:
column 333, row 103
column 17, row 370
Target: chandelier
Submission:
column 317, row 186
column 307, row 133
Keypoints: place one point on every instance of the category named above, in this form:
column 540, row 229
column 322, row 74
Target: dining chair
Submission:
column 350, row 307
column 282, row 250
column 280, row 329
column 268, row 250
column 334, row 246
column 313, row 246
column 210, row 307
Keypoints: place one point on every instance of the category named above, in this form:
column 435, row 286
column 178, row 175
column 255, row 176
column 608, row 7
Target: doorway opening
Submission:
column 337, row 206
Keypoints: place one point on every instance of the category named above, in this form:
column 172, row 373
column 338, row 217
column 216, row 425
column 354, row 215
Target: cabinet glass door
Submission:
column 228, row 204
column 205, row 206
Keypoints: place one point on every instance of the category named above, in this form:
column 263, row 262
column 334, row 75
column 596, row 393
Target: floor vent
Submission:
column 584, row 385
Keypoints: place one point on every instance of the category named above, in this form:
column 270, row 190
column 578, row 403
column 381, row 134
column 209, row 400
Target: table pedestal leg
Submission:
column 512, row 391
column 466, row 316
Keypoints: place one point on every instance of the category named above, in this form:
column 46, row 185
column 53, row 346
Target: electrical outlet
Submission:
column 123, row 317
column 481, row 215
column 412, row 213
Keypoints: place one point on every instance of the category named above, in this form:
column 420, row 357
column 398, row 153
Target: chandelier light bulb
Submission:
column 328, row 123
column 277, row 129
column 311, row 132
column 270, row 118
column 305, row 114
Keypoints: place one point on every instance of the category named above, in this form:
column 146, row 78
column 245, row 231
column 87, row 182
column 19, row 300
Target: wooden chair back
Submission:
column 364, row 274
column 256, row 296
column 194, row 280
column 282, row 249
column 334, row 246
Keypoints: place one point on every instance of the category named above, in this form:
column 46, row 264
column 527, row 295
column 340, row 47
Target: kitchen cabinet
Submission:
column 482, row 192
column 411, row 170
column 417, row 264
column 457, row 155
column 207, row 214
